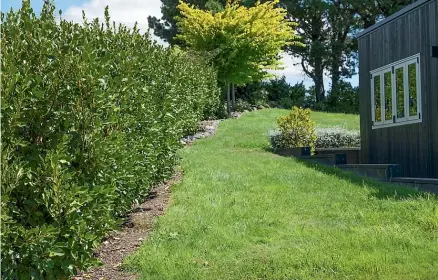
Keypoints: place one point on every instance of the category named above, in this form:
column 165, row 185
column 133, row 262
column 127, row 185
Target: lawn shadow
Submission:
column 381, row 189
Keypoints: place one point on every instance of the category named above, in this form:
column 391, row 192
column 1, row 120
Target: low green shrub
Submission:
column 259, row 97
column 92, row 116
column 298, row 93
column 276, row 92
column 242, row 105
column 285, row 102
column 285, row 95
column 336, row 138
column 249, row 91
column 294, row 130
column 345, row 99
column 276, row 139
column 253, row 94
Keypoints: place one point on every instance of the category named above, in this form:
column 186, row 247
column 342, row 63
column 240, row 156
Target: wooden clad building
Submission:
column 398, row 80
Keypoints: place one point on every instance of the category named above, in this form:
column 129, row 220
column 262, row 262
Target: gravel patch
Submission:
column 205, row 129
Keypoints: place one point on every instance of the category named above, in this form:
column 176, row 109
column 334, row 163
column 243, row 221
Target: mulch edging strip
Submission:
column 119, row 244
column 141, row 221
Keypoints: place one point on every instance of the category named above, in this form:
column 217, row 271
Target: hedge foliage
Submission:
column 92, row 115
column 337, row 137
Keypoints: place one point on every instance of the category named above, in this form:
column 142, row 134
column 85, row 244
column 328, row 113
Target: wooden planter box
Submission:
column 352, row 155
column 294, row 152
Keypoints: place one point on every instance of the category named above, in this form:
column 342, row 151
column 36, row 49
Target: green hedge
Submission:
column 92, row 115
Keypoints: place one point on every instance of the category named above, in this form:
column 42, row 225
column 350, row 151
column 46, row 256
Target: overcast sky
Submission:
column 130, row 11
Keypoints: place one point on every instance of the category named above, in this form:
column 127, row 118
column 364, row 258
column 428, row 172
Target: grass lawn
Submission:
column 242, row 212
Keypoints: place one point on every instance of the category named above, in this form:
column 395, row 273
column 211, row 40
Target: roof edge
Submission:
column 393, row 17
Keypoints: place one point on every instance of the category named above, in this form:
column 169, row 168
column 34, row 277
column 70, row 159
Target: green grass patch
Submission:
column 242, row 212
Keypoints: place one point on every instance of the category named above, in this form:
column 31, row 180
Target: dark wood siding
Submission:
column 433, row 107
column 415, row 146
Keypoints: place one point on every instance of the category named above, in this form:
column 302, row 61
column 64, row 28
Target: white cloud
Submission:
column 292, row 71
column 126, row 12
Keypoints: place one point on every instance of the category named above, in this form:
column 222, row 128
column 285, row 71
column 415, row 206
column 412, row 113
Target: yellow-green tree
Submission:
column 242, row 42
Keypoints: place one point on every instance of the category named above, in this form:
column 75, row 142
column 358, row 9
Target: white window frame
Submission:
column 405, row 89
column 382, row 96
column 418, row 77
column 373, row 107
column 404, row 63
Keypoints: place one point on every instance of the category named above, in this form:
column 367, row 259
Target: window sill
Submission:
column 396, row 124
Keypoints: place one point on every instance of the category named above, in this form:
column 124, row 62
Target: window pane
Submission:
column 388, row 96
column 377, row 104
column 412, row 74
column 399, row 91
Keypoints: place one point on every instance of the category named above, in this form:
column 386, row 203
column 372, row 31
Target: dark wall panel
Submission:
column 415, row 146
column 433, row 70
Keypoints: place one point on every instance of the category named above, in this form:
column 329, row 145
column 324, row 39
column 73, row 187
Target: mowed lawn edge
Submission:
column 242, row 212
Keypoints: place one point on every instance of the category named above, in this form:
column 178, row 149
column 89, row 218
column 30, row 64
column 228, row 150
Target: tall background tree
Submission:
column 313, row 30
column 370, row 11
column 243, row 43
column 342, row 48
column 326, row 27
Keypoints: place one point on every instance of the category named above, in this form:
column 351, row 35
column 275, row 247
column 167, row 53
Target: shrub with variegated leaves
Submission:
column 337, row 137
column 295, row 130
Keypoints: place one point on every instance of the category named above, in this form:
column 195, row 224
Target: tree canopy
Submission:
column 165, row 27
column 243, row 43
column 326, row 27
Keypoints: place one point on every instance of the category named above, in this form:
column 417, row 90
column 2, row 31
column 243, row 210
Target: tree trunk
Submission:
column 233, row 97
column 228, row 100
column 336, row 74
column 319, row 80
column 338, row 48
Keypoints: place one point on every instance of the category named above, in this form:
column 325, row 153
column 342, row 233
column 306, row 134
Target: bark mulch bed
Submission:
column 121, row 243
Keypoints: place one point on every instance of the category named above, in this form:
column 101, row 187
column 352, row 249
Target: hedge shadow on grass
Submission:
column 381, row 190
